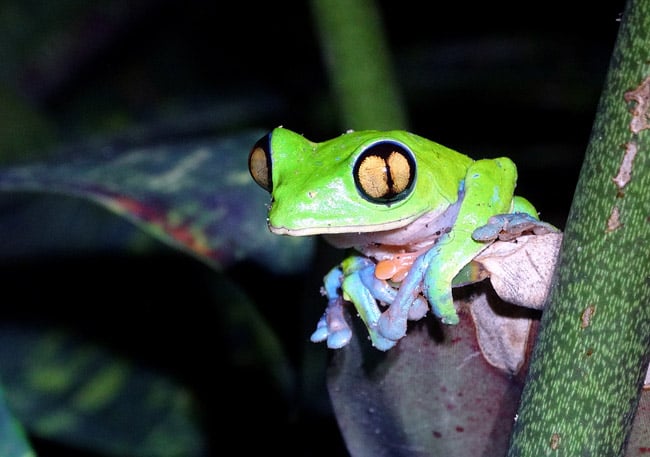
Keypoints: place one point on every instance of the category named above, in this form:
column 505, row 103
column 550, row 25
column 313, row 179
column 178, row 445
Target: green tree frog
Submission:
column 407, row 205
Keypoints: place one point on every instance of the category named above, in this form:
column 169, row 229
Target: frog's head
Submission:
column 362, row 181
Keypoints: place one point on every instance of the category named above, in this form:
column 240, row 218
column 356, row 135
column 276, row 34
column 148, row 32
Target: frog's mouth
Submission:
column 328, row 229
column 409, row 231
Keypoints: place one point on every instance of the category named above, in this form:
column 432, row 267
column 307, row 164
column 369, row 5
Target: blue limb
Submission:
column 392, row 323
column 437, row 288
column 509, row 226
column 332, row 325
column 344, row 283
column 386, row 293
column 366, row 305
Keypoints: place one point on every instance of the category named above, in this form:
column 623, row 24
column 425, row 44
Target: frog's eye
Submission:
column 259, row 162
column 385, row 172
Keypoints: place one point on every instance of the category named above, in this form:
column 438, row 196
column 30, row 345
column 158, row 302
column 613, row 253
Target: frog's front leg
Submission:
column 432, row 276
column 447, row 260
column 487, row 190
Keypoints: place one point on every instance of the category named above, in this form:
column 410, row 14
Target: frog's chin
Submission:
column 338, row 230
column 411, row 232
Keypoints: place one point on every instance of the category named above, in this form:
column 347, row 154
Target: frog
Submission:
column 406, row 208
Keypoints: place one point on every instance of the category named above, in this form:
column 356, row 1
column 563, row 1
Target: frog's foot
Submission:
column 332, row 326
column 379, row 341
column 506, row 227
column 393, row 325
column 352, row 282
column 410, row 305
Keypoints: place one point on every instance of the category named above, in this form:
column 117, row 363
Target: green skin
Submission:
column 314, row 191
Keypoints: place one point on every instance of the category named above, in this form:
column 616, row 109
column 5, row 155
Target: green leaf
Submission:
column 70, row 391
column 12, row 435
column 195, row 196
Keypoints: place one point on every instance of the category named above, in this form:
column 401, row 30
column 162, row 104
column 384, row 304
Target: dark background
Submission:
column 492, row 78
column 485, row 79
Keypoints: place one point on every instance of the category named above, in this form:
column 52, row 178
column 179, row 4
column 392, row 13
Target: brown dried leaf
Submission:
column 521, row 270
column 502, row 331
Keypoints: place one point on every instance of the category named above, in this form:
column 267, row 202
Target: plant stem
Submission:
column 357, row 57
column 592, row 351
